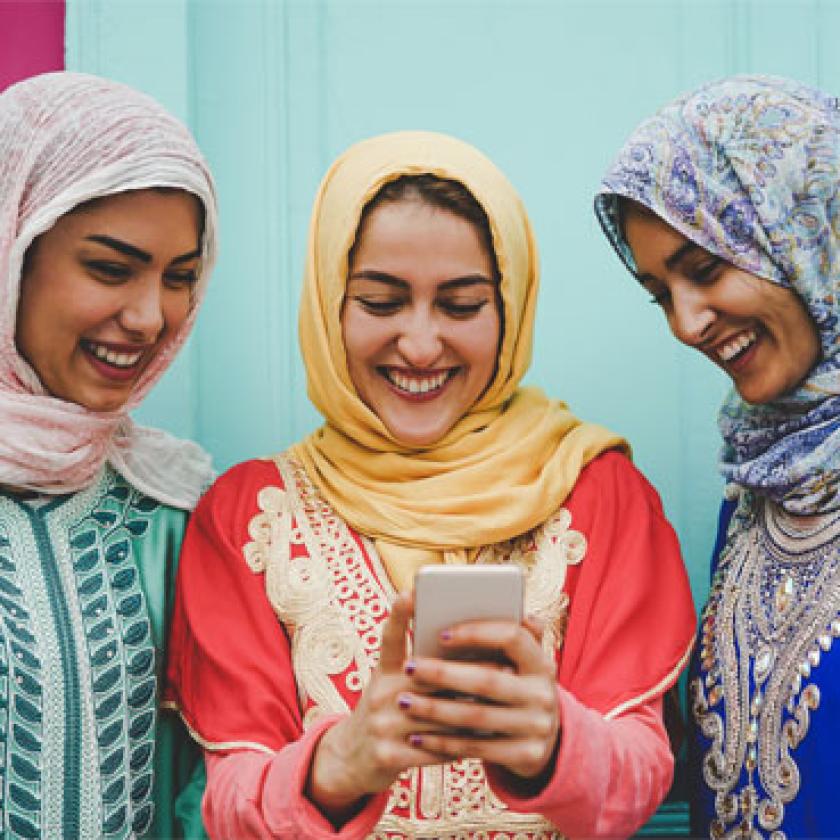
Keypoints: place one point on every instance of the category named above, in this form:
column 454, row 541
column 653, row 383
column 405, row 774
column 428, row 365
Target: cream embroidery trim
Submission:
column 333, row 604
column 773, row 611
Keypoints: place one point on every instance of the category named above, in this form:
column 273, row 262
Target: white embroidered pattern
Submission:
column 773, row 611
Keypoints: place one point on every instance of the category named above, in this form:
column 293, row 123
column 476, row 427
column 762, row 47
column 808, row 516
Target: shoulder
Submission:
column 235, row 491
column 612, row 480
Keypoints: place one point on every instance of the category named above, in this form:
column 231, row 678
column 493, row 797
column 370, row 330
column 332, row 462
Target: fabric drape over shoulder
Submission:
column 749, row 169
column 67, row 138
column 513, row 458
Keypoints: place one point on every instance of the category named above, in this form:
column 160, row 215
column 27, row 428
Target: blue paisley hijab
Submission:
column 749, row 169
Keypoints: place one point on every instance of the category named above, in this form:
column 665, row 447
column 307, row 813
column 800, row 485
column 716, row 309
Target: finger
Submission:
column 490, row 683
column 535, row 626
column 434, row 713
column 393, row 649
column 526, row 757
column 516, row 642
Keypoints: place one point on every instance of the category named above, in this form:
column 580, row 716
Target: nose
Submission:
column 419, row 341
column 142, row 312
column 692, row 316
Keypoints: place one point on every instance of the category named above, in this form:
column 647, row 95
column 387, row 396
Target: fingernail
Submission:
column 415, row 740
column 410, row 667
column 404, row 702
column 445, row 635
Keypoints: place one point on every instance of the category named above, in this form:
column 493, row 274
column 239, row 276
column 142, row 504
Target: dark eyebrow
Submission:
column 379, row 277
column 397, row 282
column 680, row 254
column 466, row 281
column 671, row 262
column 137, row 253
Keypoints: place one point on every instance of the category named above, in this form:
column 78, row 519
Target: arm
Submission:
column 609, row 775
column 231, row 677
column 251, row 794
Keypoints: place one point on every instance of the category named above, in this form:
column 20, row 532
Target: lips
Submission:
column 733, row 348
column 421, row 383
column 114, row 361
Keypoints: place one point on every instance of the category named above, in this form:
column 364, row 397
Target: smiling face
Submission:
column 420, row 320
column 106, row 288
column 760, row 333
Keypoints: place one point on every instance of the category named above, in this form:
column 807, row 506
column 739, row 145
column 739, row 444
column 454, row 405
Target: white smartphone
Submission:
column 447, row 595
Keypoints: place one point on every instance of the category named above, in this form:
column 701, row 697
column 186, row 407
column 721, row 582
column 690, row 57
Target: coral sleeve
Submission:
column 230, row 675
column 630, row 631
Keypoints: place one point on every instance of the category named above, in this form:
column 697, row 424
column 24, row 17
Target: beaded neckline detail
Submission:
column 773, row 611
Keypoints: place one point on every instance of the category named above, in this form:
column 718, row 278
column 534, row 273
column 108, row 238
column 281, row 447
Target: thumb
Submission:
column 392, row 652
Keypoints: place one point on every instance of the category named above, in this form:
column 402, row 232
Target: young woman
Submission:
column 725, row 206
column 107, row 235
column 289, row 641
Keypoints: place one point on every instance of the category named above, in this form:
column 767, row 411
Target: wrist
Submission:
column 330, row 782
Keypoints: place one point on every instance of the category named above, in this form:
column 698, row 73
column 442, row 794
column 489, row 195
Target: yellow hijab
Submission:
column 510, row 461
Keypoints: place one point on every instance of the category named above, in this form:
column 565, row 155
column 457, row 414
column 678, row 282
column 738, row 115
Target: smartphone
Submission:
column 447, row 595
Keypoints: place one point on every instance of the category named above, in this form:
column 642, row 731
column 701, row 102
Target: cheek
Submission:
column 177, row 310
column 362, row 335
column 482, row 341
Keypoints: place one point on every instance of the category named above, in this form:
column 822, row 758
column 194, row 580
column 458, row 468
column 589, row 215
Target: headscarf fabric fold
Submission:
column 749, row 169
column 511, row 460
column 67, row 138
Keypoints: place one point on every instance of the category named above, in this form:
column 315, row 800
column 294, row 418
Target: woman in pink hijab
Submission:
column 107, row 237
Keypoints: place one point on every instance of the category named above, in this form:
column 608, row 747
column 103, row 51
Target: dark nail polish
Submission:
column 415, row 740
column 445, row 635
column 410, row 667
column 404, row 702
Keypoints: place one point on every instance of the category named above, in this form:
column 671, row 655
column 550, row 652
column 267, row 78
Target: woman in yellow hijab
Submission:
column 289, row 656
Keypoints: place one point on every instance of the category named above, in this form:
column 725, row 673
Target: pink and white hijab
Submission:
column 66, row 138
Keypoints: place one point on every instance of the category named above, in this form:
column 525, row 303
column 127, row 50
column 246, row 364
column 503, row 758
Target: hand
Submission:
column 366, row 751
column 511, row 718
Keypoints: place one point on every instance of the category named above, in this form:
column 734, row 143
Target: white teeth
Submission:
column 417, row 386
column 736, row 345
column 123, row 360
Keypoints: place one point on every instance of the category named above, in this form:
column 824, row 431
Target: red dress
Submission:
column 276, row 629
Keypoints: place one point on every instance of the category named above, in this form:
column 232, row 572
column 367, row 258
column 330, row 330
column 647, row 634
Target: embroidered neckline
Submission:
column 773, row 610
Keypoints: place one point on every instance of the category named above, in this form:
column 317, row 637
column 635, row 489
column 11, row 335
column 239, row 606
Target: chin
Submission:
column 759, row 397
column 417, row 438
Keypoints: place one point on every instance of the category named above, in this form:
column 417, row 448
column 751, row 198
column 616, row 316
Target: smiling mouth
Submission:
column 736, row 347
column 119, row 360
column 418, row 385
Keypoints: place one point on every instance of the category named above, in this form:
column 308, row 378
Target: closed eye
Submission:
column 108, row 270
column 387, row 306
column 462, row 309
column 179, row 279
column 705, row 271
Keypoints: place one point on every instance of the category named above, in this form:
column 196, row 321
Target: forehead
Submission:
column 650, row 238
column 409, row 230
column 173, row 213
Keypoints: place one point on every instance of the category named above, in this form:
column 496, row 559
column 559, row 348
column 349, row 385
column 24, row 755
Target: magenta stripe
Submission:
column 31, row 38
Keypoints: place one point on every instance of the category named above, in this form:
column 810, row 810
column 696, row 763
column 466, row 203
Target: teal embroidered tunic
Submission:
column 86, row 586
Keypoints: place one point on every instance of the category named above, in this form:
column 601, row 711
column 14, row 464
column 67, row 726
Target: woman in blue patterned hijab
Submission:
column 725, row 205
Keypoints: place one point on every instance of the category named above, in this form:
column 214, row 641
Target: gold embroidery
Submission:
column 773, row 610
column 333, row 604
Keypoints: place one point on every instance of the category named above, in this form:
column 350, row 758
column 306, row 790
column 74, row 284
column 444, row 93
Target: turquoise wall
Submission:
column 549, row 90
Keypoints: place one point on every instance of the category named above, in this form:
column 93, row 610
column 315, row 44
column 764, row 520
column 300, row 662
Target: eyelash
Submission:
column 704, row 273
column 390, row 307
column 112, row 271
column 116, row 273
column 181, row 278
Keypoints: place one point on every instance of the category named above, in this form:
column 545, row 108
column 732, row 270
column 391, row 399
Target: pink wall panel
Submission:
column 31, row 38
